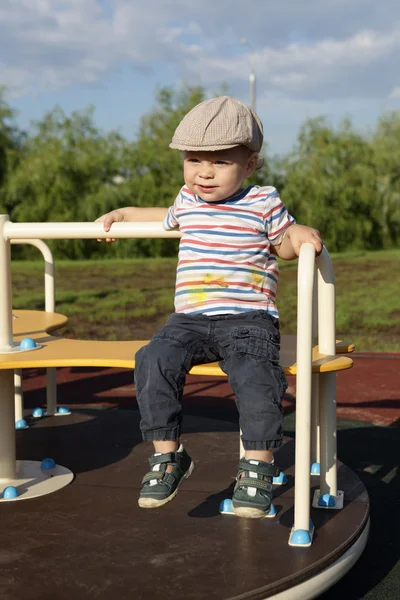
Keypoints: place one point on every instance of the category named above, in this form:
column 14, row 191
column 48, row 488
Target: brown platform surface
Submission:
column 90, row 539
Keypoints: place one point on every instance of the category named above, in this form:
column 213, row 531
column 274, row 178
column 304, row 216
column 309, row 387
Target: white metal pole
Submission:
column 6, row 331
column 7, row 410
column 7, row 426
column 18, row 395
column 327, row 345
column 326, row 305
column 86, row 231
column 51, row 391
column 315, row 420
column 50, row 306
column 315, row 428
column 305, row 281
column 328, row 472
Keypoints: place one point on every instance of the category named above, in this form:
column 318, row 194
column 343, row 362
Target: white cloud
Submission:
column 302, row 50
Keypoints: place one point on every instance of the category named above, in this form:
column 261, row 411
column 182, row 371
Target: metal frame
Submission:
column 49, row 306
column 307, row 326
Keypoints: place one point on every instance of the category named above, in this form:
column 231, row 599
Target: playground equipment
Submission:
column 315, row 366
column 50, row 304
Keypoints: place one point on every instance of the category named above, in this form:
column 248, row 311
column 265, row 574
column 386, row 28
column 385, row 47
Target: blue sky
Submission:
column 337, row 58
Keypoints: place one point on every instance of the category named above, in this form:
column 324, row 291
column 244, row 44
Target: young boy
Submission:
column 224, row 301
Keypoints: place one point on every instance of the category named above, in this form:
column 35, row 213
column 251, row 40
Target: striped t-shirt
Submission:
column 224, row 264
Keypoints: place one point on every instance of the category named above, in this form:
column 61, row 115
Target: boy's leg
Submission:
column 252, row 365
column 160, row 375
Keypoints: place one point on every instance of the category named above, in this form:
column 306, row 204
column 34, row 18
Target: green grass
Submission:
column 130, row 299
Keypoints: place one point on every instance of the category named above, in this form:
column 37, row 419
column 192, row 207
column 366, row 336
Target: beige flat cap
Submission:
column 219, row 124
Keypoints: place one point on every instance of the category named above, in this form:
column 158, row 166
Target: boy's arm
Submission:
column 295, row 236
column 134, row 214
column 130, row 214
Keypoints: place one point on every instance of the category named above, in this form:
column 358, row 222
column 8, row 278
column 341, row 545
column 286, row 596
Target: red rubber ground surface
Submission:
column 370, row 391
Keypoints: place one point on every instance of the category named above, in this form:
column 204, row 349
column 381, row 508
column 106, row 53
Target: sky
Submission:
column 336, row 58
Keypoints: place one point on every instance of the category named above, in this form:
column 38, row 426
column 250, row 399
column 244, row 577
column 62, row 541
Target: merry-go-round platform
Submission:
column 91, row 540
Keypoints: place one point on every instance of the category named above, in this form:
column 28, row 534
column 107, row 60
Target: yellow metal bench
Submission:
column 57, row 351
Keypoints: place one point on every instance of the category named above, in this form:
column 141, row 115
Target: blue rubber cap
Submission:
column 226, row 506
column 300, row 537
column 272, row 510
column 327, row 500
column 281, row 479
column 21, row 424
column 315, row 469
column 10, row 492
column 47, row 463
column 27, row 344
column 37, row 412
column 63, row 410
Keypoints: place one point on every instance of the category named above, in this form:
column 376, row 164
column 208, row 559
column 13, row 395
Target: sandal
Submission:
column 252, row 495
column 158, row 486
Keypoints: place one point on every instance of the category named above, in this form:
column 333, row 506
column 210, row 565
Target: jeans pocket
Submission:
column 258, row 342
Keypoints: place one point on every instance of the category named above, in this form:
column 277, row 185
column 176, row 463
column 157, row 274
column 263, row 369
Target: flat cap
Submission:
column 219, row 124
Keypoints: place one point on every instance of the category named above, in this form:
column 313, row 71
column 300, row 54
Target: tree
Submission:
column 332, row 184
column 386, row 150
column 344, row 183
column 64, row 165
column 10, row 141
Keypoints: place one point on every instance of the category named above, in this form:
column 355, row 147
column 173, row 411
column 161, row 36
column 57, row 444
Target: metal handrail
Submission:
column 306, row 326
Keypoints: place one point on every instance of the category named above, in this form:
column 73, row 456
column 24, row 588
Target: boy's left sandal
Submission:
column 252, row 496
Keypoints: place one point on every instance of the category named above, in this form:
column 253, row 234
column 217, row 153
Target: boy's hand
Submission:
column 115, row 216
column 296, row 236
column 302, row 234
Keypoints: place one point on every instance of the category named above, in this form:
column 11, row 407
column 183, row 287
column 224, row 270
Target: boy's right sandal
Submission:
column 252, row 496
column 160, row 486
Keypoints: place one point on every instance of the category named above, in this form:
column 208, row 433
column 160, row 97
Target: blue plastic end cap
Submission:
column 21, row 424
column 300, row 537
column 28, row 344
column 226, row 506
column 47, row 463
column 280, row 479
column 10, row 492
column 37, row 412
column 272, row 510
column 326, row 500
column 63, row 410
column 315, row 469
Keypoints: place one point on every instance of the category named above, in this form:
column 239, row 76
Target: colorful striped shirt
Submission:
column 224, row 264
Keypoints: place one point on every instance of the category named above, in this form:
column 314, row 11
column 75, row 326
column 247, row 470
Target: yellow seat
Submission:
column 59, row 351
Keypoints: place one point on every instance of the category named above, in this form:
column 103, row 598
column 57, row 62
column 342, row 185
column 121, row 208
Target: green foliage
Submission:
column 344, row 183
column 131, row 298
column 10, row 141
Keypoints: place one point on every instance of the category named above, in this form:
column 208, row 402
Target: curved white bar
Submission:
column 305, row 283
column 306, row 325
column 50, row 306
column 49, row 279
column 85, row 231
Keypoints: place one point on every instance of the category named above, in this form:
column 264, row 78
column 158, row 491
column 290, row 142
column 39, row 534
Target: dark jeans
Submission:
column 247, row 346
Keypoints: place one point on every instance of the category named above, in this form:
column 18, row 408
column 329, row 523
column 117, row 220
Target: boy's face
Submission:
column 218, row 175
